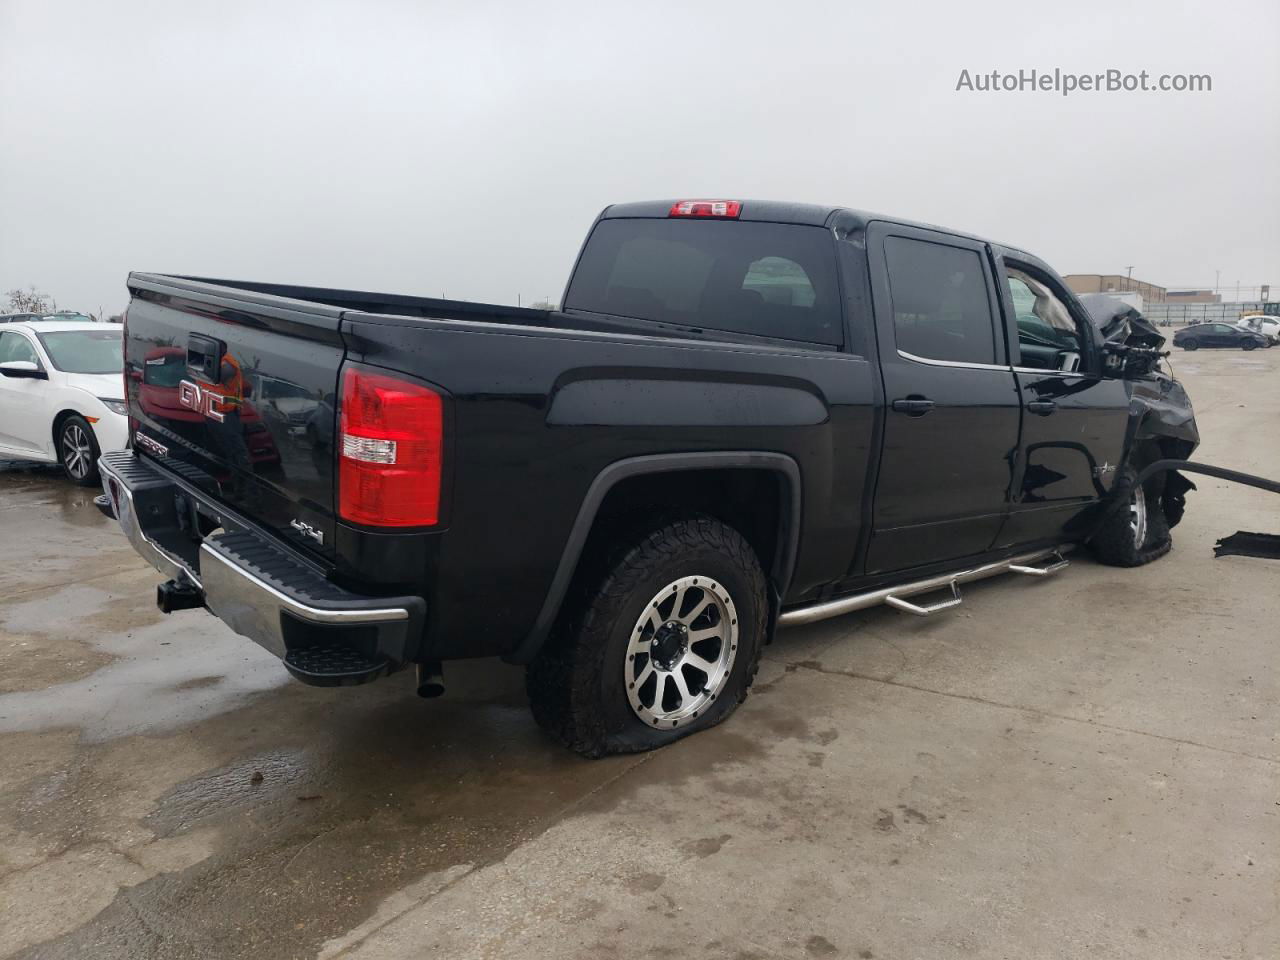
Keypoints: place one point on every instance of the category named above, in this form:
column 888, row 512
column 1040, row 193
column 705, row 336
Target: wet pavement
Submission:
column 1087, row 765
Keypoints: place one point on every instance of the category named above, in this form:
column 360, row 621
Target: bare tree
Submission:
column 30, row 300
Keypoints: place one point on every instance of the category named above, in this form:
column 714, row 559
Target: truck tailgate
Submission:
column 238, row 394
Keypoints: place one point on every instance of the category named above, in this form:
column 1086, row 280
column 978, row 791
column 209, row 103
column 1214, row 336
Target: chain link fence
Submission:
column 1181, row 314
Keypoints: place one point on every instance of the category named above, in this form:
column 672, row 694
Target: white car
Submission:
column 1268, row 326
column 62, row 394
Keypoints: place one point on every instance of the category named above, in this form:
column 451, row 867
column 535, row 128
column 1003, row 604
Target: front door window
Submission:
column 1048, row 336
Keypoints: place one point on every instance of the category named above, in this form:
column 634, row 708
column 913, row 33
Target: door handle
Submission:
column 913, row 406
column 204, row 356
column 1042, row 407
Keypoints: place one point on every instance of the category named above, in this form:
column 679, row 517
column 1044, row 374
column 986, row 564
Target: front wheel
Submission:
column 1191, row 343
column 78, row 451
column 1250, row 345
column 1136, row 530
column 664, row 641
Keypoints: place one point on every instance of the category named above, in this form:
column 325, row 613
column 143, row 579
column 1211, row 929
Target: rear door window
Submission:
column 764, row 279
column 941, row 304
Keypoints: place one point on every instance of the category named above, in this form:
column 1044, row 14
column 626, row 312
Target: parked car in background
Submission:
column 62, row 394
column 1218, row 335
column 30, row 317
column 1269, row 327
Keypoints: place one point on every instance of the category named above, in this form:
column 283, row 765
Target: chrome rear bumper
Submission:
column 246, row 580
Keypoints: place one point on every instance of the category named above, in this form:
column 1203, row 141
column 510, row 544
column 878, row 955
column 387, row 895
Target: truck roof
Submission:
column 782, row 211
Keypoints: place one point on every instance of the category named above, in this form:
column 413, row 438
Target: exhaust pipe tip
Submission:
column 430, row 680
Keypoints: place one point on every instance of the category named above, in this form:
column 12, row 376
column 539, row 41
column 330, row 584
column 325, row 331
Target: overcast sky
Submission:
column 464, row 148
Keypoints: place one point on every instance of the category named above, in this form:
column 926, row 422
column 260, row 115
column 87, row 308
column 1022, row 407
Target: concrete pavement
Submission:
column 1086, row 766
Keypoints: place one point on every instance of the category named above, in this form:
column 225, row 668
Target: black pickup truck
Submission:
column 746, row 415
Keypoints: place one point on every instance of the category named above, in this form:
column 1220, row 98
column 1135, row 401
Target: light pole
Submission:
column 1128, row 279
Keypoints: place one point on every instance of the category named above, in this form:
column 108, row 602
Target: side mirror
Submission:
column 1125, row 362
column 23, row 369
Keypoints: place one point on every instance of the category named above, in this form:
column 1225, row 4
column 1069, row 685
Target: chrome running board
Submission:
column 896, row 596
column 1059, row 563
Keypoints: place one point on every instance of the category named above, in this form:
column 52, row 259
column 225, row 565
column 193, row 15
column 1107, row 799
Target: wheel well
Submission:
column 756, row 493
column 1150, row 448
column 1173, row 448
column 57, row 426
column 749, row 500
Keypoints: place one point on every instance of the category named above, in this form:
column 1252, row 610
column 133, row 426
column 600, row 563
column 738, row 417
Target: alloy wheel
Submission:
column 1138, row 517
column 77, row 452
column 681, row 651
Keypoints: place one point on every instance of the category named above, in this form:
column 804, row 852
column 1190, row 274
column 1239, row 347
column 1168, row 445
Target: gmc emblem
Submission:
column 202, row 401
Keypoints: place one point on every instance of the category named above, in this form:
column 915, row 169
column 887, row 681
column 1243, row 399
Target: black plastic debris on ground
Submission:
column 1242, row 544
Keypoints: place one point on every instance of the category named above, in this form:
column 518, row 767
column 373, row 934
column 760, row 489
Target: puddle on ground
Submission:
column 26, row 483
column 164, row 676
column 249, row 782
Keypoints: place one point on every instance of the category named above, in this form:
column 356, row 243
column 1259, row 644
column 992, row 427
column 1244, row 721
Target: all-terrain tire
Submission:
column 1117, row 542
column 577, row 685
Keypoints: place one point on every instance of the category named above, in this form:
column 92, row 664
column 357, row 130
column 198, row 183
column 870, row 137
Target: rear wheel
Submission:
column 1135, row 531
column 1191, row 343
column 78, row 451
column 664, row 641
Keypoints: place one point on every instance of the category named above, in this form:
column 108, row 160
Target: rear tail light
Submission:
column 728, row 209
column 390, row 445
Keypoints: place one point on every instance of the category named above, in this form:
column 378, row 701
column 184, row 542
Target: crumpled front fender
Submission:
column 1159, row 408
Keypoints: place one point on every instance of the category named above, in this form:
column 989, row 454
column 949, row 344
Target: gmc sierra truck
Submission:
column 745, row 415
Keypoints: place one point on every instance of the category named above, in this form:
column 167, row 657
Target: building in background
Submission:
column 1192, row 296
column 1114, row 283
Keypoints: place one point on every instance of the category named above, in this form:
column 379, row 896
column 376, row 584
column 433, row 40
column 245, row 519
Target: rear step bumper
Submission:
column 326, row 635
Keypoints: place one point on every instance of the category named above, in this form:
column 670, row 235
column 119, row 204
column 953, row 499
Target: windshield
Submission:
column 85, row 351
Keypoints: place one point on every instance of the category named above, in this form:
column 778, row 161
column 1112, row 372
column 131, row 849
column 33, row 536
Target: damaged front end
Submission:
column 1162, row 426
column 1162, row 423
column 1162, row 432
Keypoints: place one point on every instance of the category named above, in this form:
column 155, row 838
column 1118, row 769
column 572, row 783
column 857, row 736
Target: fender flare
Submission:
column 789, row 533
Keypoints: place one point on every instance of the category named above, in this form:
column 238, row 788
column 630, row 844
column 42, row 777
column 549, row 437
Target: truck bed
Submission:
column 437, row 308
column 537, row 403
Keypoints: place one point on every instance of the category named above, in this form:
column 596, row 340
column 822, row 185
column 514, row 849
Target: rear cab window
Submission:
column 774, row 280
